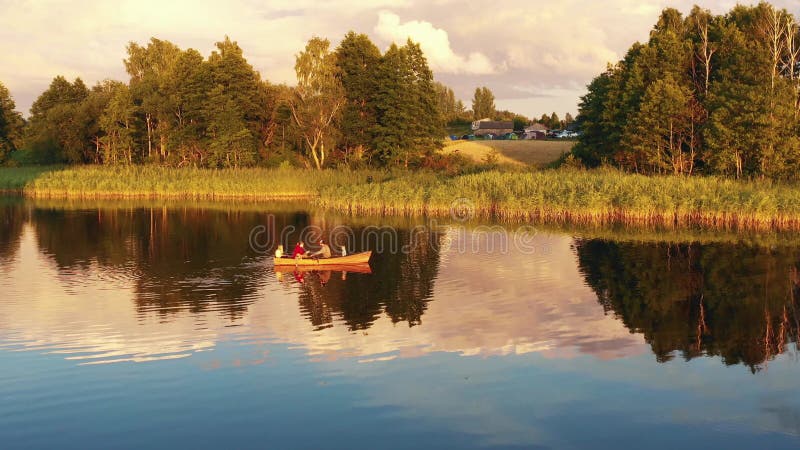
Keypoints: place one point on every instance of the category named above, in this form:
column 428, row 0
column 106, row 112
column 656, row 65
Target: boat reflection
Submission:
column 69, row 278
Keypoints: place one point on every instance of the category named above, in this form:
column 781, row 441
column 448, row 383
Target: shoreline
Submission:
column 600, row 197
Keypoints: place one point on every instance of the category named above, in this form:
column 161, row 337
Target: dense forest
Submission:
column 706, row 94
column 180, row 108
column 352, row 105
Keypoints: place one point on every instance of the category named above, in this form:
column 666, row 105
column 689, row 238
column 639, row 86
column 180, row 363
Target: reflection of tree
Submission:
column 177, row 259
column 400, row 286
column 734, row 301
column 12, row 219
column 197, row 260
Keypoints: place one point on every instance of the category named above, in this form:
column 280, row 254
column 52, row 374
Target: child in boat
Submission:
column 279, row 252
column 323, row 252
column 299, row 250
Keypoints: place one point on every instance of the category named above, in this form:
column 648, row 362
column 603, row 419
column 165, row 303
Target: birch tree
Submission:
column 318, row 99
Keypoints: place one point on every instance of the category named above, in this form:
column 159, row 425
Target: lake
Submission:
column 157, row 325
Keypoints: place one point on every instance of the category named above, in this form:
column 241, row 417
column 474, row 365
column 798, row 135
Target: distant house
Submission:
column 535, row 131
column 485, row 126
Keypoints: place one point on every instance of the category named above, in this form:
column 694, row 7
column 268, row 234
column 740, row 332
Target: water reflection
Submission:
column 734, row 301
column 189, row 275
column 442, row 349
column 11, row 221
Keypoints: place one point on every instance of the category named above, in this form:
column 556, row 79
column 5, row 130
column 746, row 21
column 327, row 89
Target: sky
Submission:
column 536, row 56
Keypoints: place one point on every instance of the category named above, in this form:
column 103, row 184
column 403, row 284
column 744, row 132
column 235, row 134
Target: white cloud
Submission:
column 434, row 42
column 536, row 55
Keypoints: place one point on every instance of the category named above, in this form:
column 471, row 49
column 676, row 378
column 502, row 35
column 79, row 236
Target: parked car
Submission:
column 510, row 137
column 468, row 137
column 567, row 135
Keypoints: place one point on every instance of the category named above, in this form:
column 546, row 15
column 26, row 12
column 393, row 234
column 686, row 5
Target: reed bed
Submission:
column 164, row 182
column 602, row 197
column 599, row 197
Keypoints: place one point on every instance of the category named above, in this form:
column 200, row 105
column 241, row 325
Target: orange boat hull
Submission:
column 349, row 260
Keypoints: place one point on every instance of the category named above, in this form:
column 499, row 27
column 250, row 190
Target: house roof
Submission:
column 490, row 124
column 536, row 127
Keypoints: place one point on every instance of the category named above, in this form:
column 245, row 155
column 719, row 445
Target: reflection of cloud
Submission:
column 482, row 305
column 91, row 322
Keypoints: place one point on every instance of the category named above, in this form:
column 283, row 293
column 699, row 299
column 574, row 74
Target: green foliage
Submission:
column 119, row 124
column 661, row 128
column 520, row 122
column 231, row 143
column 318, row 99
column 150, row 68
column 352, row 107
column 409, row 120
column 55, row 128
column 357, row 59
column 11, row 125
column 450, row 108
column 706, row 92
column 483, row 104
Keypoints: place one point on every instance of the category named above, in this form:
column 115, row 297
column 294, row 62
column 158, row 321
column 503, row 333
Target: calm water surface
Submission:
column 161, row 327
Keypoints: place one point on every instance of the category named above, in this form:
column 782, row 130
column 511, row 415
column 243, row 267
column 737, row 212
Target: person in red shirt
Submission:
column 299, row 250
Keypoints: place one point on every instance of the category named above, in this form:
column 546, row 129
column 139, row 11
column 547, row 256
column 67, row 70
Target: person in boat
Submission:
column 323, row 252
column 279, row 252
column 299, row 250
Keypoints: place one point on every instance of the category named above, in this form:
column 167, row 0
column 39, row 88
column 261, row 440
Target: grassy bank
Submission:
column 554, row 196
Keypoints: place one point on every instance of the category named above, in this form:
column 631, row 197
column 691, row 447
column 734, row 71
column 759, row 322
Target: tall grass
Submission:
column 164, row 182
column 598, row 197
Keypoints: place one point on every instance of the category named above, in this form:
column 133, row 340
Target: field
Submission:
column 523, row 152
column 597, row 197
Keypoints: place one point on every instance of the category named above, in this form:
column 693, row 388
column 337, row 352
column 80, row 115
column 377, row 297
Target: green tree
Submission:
column 11, row 124
column 752, row 125
column 593, row 146
column 189, row 85
column 662, row 127
column 149, row 68
column 319, row 98
column 520, row 122
column 358, row 60
column 409, row 121
column 450, row 108
column 90, row 113
column 483, row 104
column 242, row 84
column 555, row 121
column 56, row 130
column 231, row 142
column 118, row 123
column 568, row 120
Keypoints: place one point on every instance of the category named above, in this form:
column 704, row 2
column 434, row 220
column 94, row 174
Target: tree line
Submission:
column 352, row 105
column 707, row 93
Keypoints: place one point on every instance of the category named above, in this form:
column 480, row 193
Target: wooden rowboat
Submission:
column 349, row 260
column 352, row 268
